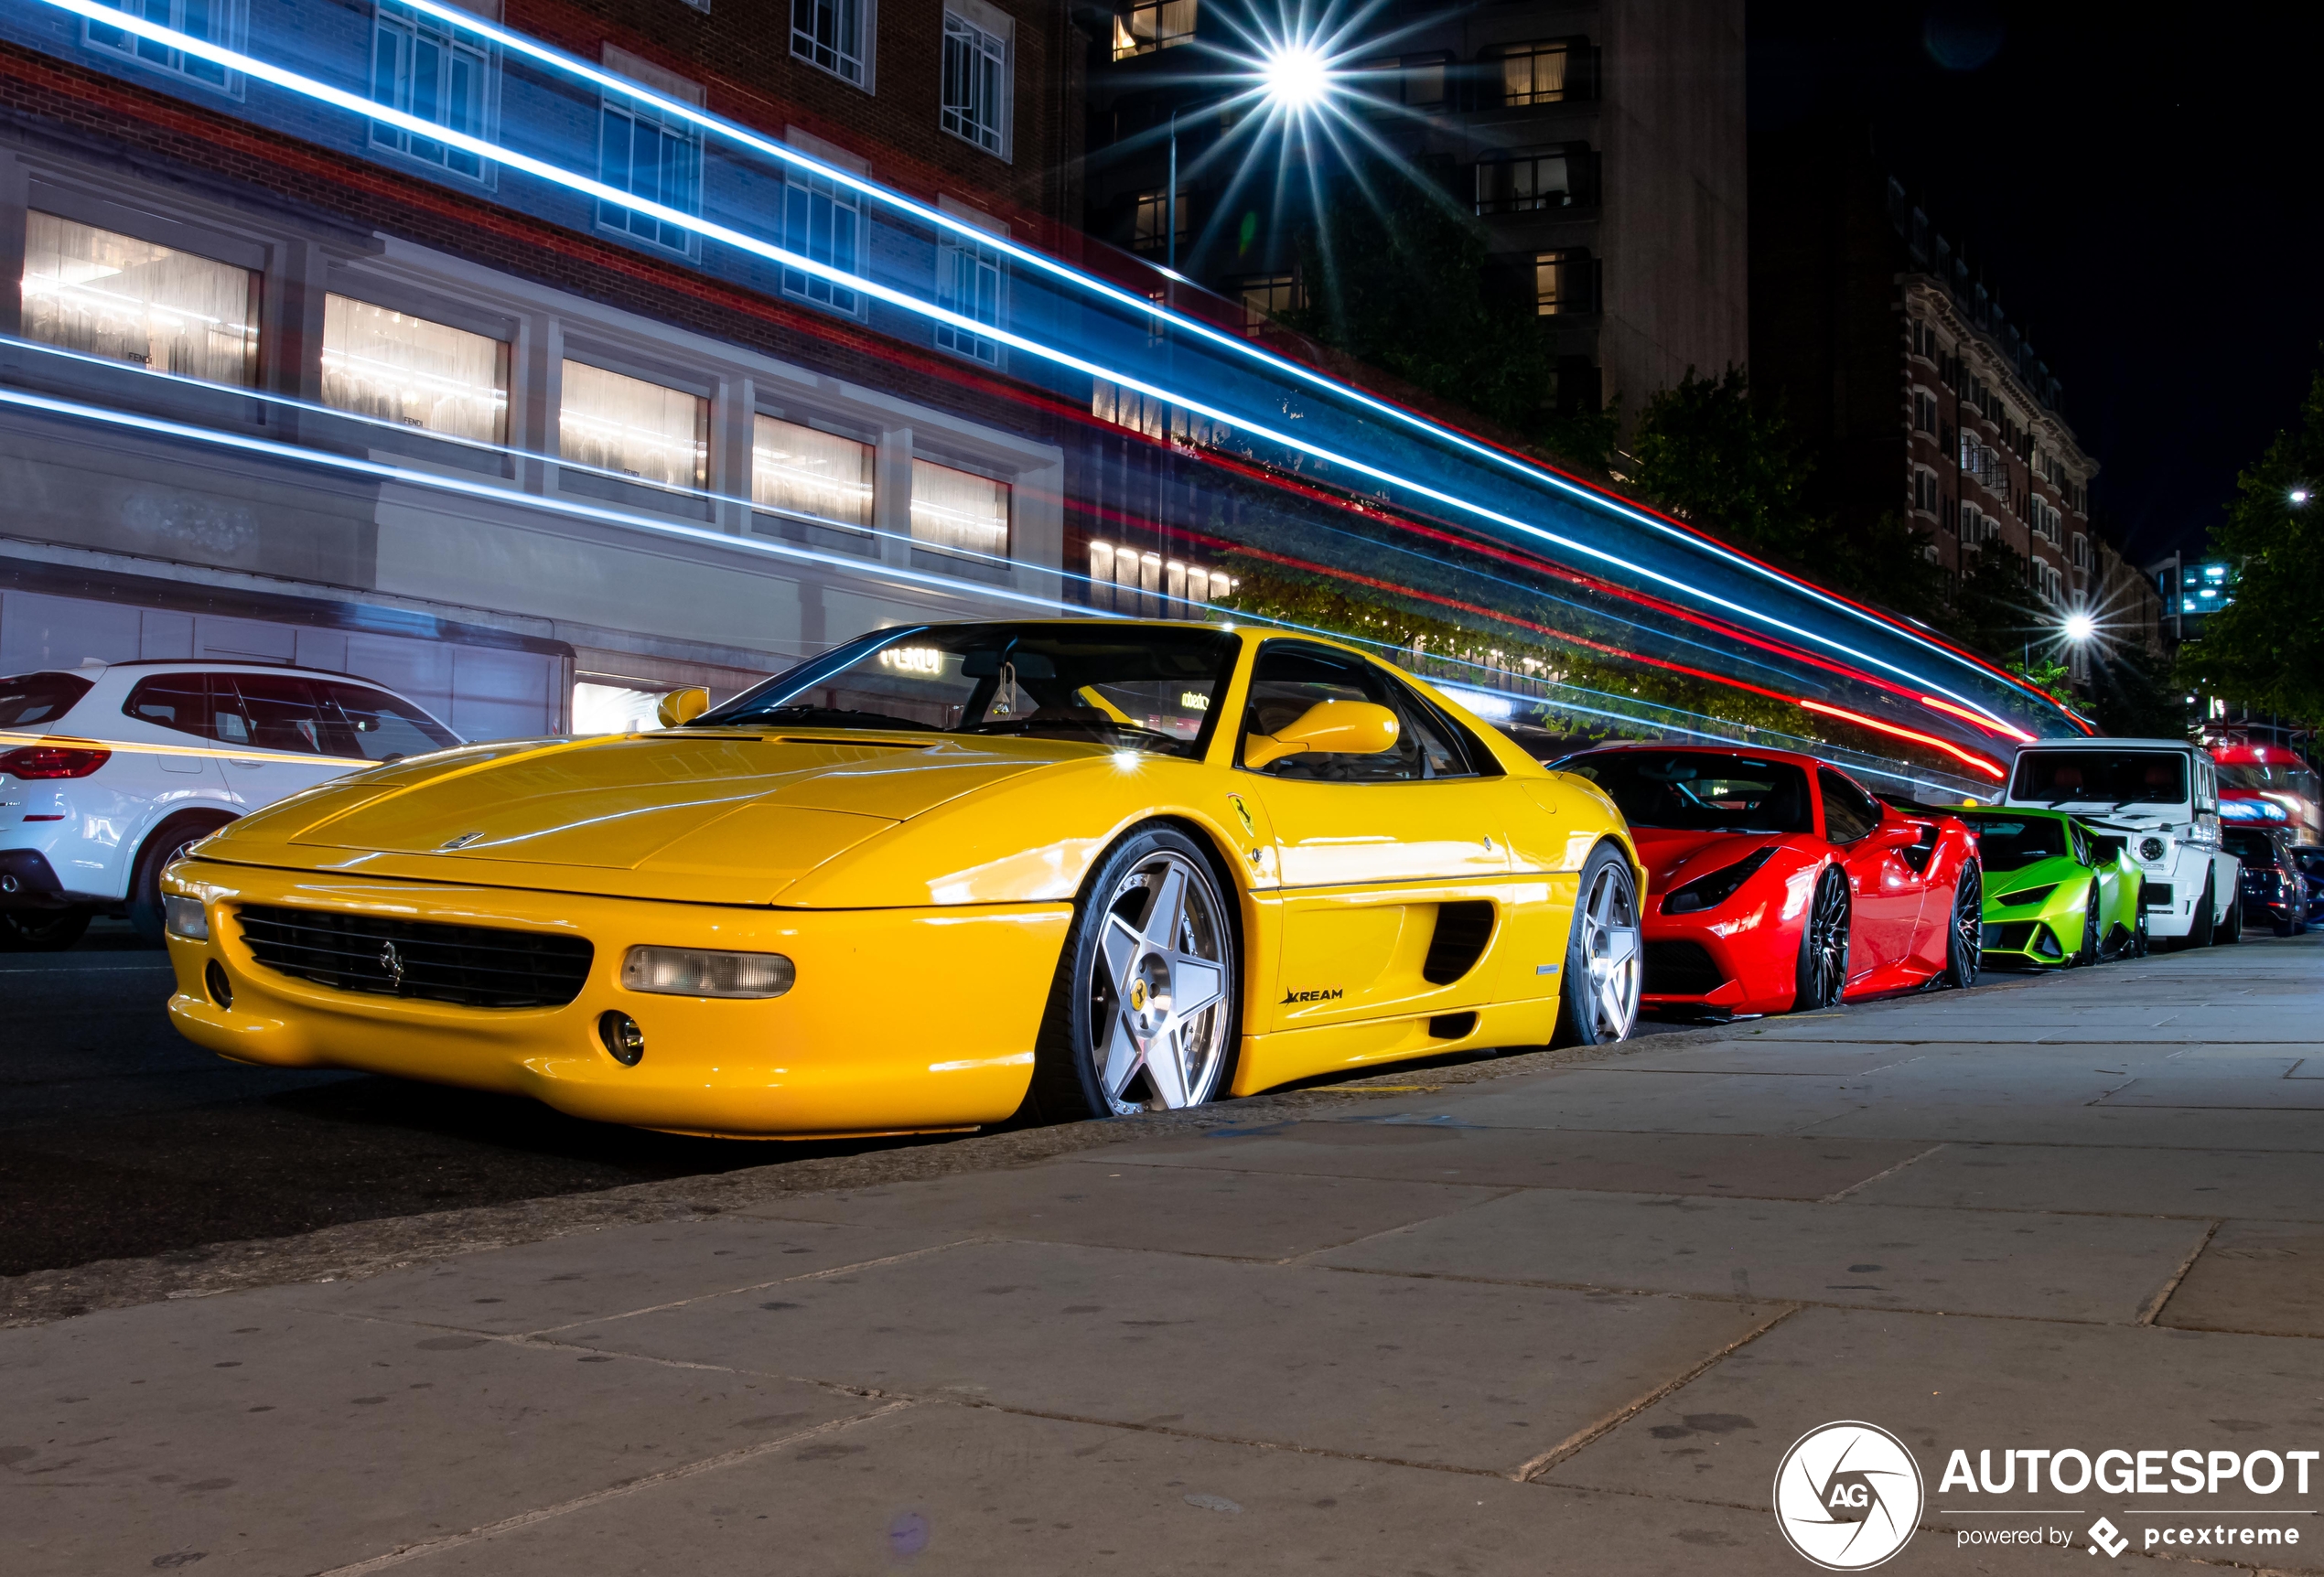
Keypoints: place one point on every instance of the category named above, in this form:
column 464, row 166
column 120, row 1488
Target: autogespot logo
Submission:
column 1848, row 1495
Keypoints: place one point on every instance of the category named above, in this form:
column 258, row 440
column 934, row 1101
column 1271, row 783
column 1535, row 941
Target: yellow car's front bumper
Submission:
column 901, row 1020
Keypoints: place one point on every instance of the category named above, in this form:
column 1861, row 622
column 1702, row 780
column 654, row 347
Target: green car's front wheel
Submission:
column 2087, row 953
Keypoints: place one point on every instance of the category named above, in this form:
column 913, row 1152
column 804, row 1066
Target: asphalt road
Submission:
column 120, row 1138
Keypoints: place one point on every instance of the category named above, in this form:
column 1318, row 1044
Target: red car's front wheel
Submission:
column 1823, row 945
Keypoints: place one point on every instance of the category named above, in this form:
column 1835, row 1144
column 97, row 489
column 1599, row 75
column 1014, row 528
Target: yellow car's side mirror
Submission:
column 682, row 705
column 1326, row 728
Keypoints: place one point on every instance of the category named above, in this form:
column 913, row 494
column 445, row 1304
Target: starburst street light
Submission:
column 1295, row 75
column 2079, row 628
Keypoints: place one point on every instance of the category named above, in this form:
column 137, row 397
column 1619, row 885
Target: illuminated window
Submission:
column 824, row 222
column 830, row 34
column 431, row 69
column 805, row 472
column 1142, row 29
column 959, row 510
column 1536, row 73
column 1565, row 281
column 91, row 290
column 389, row 364
column 651, row 155
column 976, row 84
column 1150, row 221
column 969, row 282
column 633, row 427
column 1521, row 183
column 1266, row 298
column 212, row 21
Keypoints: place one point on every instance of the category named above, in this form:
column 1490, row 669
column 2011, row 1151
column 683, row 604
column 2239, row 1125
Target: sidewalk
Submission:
column 1558, row 1320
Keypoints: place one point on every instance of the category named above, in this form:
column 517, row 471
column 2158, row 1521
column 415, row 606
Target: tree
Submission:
column 1707, row 454
column 1713, row 456
column 2265, row 650
column 1409, row 291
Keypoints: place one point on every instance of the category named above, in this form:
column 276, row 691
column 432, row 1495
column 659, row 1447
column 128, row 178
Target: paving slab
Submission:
column 1879, row 1256
column 2254, row 1276
column 2134, row 1127
column 961, row 1490
column 1179, row 1212
column 2275, row 1093
column 1426, row 1372
column 1736, row 1165
column 608, row 1270
column 1606, row 1102
column 1947, row 1384
column 2096, row 1180
column 249, row 1436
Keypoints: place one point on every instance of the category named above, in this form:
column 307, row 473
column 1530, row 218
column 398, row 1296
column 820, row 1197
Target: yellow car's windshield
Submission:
column 1129, row 686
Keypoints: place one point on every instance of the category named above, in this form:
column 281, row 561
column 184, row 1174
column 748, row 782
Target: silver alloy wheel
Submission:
column 1608, row 916
column 1159, row 1008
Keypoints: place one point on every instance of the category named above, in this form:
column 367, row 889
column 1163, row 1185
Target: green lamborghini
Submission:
column 2057, row 893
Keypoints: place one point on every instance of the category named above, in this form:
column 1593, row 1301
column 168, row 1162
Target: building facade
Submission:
column 1919, row 396
column 1600, row 147
column 515, row 452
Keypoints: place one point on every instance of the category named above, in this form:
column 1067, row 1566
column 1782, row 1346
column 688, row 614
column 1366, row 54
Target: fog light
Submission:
column 221, row 989
column 690, row 971
column 624, row 1041
column 185, row 918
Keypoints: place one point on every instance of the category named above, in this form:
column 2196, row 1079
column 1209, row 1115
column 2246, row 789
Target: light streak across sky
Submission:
column 1384, row 469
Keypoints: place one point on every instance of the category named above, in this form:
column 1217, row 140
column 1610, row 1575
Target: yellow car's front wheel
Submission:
column 1142, row 1017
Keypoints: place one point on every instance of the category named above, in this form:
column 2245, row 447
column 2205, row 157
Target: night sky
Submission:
column 2143, row 198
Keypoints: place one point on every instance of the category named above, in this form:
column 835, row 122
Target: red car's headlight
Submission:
column 1709, row 892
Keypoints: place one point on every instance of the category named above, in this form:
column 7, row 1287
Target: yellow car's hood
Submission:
column 713, row 816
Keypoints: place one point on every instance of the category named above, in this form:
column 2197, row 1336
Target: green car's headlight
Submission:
column 693, row 971
column 2024, row 895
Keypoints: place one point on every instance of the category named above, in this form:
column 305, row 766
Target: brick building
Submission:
column 1601, row 145
column 1919, row 394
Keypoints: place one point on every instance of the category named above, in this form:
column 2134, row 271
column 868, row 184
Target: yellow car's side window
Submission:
column 1294, row 688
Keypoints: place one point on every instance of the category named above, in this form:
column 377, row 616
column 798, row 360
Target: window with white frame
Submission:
column 976, row 84
column 959, row 510
column 824, row 222
column 632, row 427
column 389, row 364
column 830, row 33
column 969, row 281
column 1924, row 490
column 652, row 155
column 2081, row 552
column 802, row 471
column 108, row 295
column 432, row 71
column 216, row 22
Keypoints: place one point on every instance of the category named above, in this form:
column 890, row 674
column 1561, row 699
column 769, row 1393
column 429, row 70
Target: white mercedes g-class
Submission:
column 2161, row 797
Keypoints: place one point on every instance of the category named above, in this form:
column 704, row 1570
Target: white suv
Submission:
column 2161, row 798
column 108, row 771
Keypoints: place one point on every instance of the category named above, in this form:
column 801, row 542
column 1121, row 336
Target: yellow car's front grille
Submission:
column 474, row 966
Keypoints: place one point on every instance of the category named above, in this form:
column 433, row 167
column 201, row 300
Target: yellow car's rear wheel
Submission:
column 1148, row 986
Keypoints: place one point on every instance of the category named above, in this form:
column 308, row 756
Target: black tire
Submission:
column 166, row 844
column 2286, row 928
column 2087, row 953
column 1071, row 1074
column 41, row 931
column 2199, row 935
column 1605, row 969
column 1822, row 973
column 2141, row 942
column 2231, row 930
column 1965, row 940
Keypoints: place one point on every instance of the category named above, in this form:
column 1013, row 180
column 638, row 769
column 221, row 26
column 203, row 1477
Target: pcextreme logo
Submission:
column 1848, row 1495
column 1332, row 993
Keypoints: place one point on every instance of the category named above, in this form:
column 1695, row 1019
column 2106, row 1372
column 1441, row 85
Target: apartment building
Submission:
column 1600, row 147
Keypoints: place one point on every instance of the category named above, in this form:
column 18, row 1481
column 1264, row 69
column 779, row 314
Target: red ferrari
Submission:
column 1775, row 882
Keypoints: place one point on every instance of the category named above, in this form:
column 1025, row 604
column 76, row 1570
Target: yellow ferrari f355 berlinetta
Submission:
column 924, row 881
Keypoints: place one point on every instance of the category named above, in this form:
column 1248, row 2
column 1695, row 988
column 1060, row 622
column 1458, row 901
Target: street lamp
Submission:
column 1293, row 76
column 2299, row 495
column 2079, row 628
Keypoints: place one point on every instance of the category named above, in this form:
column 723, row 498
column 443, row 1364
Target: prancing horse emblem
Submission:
column 392, row 962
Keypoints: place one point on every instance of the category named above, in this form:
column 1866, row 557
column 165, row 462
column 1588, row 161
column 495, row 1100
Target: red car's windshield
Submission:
column 1699, row 790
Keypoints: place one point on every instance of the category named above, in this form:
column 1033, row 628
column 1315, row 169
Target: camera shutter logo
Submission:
column 1848, row 1495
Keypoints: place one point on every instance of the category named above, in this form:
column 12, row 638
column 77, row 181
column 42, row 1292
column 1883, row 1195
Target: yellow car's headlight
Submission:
column 185, row 918
column 693, row 971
